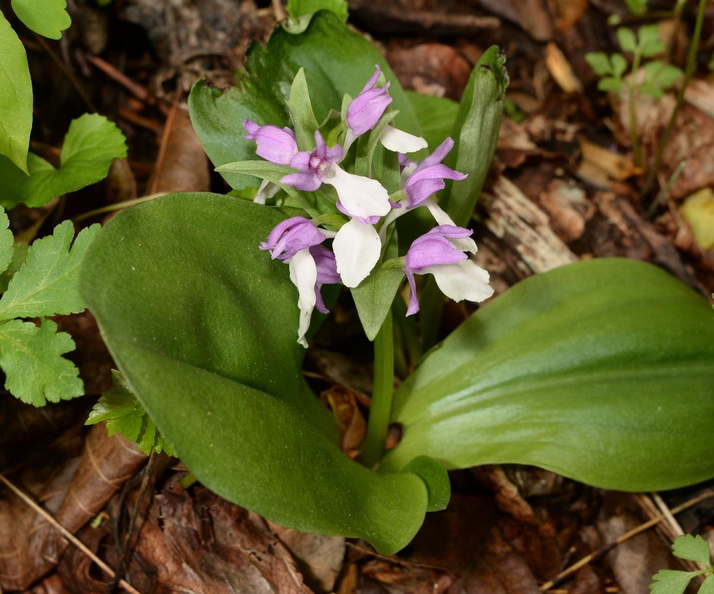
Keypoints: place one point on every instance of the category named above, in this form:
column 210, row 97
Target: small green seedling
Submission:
column 656, row 77
column 673, row 581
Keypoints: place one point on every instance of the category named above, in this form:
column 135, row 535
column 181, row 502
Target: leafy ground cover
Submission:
column 567, row 185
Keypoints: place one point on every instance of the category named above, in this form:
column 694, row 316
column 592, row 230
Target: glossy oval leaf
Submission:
column 602, row 371
column 203, row 325
column 45, row 17
column 15, row 97
column 337, row 61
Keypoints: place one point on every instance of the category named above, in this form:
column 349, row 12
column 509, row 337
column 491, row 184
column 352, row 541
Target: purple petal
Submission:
column 437, row 156
column 372, row 80
column 431, row 251
column 326, row 265
column 419, row 191
column 276, row 145
column 373, row 220
column 307, row 182
column 366, row 109
column 290, row 236
column 319, row 303
column 301, row 161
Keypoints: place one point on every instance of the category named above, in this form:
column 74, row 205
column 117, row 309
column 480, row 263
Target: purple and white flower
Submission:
column 277, row 145
column 368, row 107
column 426, row 178
column 296, row 241
column 365, row 111
column 457, row 276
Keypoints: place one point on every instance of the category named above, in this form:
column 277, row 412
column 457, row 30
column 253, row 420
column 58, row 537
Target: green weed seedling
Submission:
column 655, row 78
column 671, row 581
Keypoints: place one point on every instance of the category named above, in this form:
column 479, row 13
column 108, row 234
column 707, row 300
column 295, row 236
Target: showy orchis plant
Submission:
column 577, row 370
column 359, row 217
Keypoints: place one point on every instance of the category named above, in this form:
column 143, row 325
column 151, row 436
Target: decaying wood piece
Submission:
column 29, row 545
column 517, row 240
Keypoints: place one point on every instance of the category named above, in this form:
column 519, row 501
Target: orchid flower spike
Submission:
column 457, row 276
column 296, row 241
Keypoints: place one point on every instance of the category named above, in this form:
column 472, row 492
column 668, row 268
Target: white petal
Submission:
column 463, row 280
column 401, row 142
column 360, row 196
column 303, row 273
column 357, row 248
column 466, row 244
column 266, row 190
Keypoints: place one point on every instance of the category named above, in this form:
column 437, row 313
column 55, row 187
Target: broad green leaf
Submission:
column 436, row 116
column 692, row 548
column 90, row 146
column 123, row 412
column 6, row 242
column 31, row 358
column 15, row 97
column 602, row 371
column 476, row 132
column 670, row 581
column 298, row 8
column 626, row 38
column 336, row 60
column 45, row 17
column 46, row 284
column 203, row 326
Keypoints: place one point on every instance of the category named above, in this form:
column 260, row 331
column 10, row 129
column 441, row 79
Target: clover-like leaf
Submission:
column 45, row 17
column 599, row 62
column 15, row 98
column 627, row 39
column 670, row 581
column 693, row 548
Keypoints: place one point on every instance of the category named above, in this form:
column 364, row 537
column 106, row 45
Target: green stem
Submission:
column 634, row 136
column 381, row 408
column 688, row 72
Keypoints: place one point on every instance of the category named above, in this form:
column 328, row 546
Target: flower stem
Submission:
column 383, row 386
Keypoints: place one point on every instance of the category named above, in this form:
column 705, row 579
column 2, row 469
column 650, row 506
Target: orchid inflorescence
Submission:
column 357, row 212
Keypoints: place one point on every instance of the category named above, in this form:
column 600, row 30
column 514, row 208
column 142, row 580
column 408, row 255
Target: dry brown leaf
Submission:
column 182, row 165
column 206, row 545
column 79, row 489
column 561, row 70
